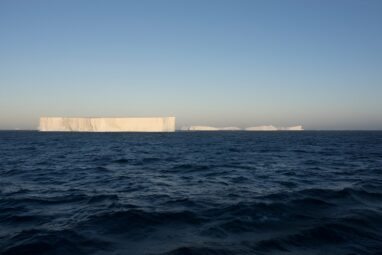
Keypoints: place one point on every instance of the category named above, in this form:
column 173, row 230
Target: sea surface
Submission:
column 191, row 193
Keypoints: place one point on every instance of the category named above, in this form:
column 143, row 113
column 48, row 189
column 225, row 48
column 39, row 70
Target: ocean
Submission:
column 309, row 192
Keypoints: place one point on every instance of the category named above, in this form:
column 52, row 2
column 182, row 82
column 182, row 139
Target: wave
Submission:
column 132, row 220
column 191, row 193
column 52, row 242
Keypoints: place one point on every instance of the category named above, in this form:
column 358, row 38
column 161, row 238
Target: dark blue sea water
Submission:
column 191, row 193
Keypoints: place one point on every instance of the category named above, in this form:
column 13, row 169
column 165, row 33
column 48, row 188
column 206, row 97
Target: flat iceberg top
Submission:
column 158, row 124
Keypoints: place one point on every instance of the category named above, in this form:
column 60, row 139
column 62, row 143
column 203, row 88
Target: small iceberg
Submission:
column 256, row 128
column 273, row 128
column 207, row 128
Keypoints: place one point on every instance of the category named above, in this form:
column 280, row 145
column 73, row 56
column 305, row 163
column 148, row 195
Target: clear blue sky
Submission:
column 221, row 63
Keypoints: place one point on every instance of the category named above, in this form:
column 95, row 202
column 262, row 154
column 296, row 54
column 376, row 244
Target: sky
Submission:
column 207, row 62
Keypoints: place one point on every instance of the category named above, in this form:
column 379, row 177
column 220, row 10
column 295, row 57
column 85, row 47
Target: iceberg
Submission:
column 202, row 128
column 257, row 128
column 207, row 128
column 230, row 129
column 294, row 128
column 273, row 128
column 262, row 128
column 161, row 124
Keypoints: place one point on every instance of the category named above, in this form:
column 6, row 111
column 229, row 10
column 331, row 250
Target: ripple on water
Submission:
column 191, row 193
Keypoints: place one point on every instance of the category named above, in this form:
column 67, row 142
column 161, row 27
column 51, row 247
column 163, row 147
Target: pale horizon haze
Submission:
column 212, row 62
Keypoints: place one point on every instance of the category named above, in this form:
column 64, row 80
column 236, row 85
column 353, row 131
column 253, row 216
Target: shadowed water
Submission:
column 191, row 193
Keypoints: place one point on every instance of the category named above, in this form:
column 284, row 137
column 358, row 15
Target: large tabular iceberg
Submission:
column 166, row 124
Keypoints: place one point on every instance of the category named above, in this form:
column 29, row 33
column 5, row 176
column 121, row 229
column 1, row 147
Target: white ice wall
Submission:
column 166, row 124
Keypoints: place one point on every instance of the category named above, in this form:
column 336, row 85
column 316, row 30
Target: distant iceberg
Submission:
column 230, row 129
column 273, row 128
column 207, row 128
column 294, row 128
column 262, row 128
column 257, row 128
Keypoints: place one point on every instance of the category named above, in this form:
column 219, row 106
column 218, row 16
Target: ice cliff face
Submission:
column 166, row 124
